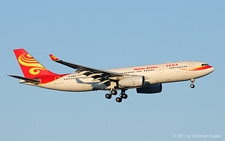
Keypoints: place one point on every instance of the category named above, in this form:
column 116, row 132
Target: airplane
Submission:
column 146, row 79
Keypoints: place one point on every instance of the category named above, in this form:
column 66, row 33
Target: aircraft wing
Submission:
column 91, row 72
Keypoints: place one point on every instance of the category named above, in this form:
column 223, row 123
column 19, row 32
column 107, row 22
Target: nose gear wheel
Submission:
column 192, row 83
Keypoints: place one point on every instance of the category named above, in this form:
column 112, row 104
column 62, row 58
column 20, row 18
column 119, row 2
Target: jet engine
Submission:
column 133, row 81
column 155, row 88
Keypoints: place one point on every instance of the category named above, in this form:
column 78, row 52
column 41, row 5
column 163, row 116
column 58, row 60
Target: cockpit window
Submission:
column 205, row 64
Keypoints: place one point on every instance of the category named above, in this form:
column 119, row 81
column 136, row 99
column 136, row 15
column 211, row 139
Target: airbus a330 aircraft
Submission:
column 146, row 79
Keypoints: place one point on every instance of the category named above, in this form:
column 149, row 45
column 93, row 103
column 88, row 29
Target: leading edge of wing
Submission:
column 83, row 68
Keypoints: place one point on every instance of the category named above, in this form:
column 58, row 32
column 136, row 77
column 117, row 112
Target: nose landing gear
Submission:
column 192, row 85
column 192, row 81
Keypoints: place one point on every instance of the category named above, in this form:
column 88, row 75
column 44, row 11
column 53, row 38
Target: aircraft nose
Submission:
column 212, row 69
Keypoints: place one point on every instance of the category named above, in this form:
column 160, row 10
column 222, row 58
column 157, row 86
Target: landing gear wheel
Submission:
column 124, row 96
column 113, row 92
column 192, row 86
column 118, row 99
column 108, row 96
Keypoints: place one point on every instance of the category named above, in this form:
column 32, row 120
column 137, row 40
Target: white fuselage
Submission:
column 159, row 73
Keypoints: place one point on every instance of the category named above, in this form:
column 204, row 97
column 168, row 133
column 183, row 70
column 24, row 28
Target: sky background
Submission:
column 104, row 35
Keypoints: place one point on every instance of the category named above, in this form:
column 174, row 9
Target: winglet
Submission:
column 53, row 57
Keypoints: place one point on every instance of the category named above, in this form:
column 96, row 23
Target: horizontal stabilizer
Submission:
column 35, row 81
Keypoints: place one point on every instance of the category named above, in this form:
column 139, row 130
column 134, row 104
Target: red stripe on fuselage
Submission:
column 201, row 68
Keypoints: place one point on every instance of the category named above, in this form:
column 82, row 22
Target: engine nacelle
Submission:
column 133, row 81
column 155, row 88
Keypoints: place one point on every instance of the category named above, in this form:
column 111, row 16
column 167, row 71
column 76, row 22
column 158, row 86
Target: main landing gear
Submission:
column 118, row 99
column 112, row 92
column 192, row 85
column 122, row 96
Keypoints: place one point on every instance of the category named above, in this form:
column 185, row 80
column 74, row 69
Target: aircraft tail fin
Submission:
column 30, row 67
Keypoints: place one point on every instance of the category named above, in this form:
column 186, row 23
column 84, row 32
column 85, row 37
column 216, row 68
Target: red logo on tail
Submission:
column 30, row 66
